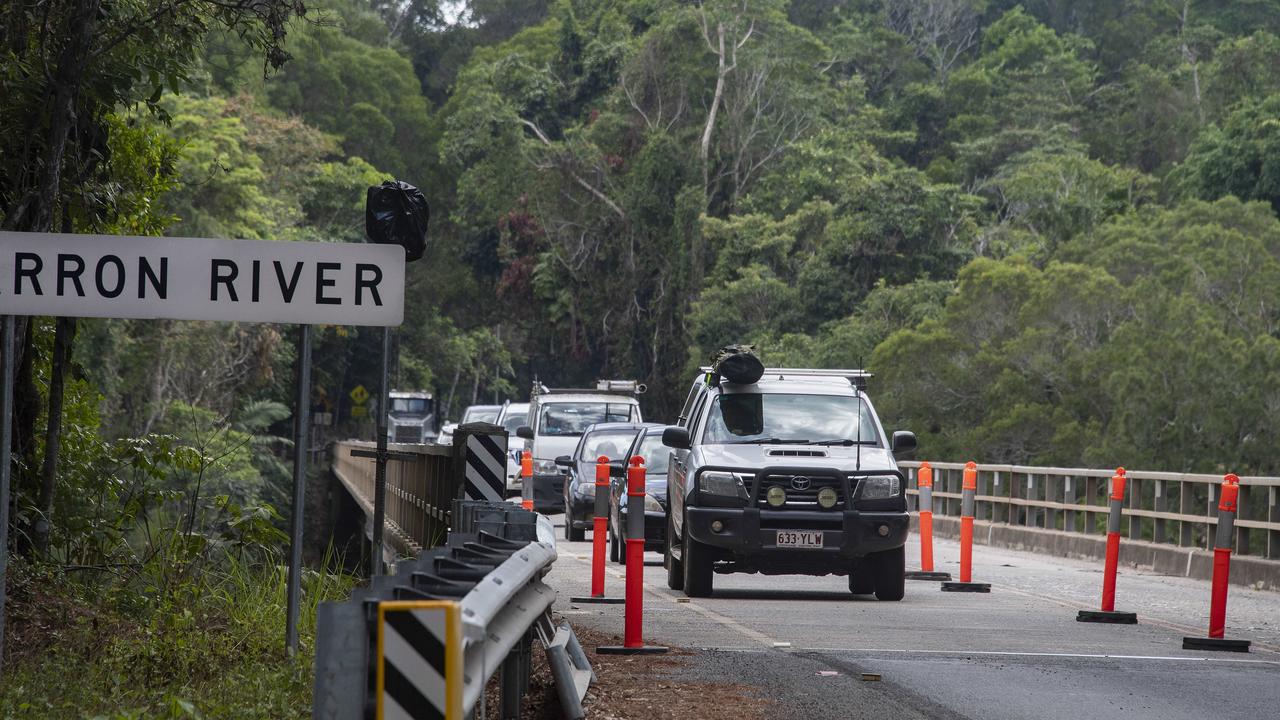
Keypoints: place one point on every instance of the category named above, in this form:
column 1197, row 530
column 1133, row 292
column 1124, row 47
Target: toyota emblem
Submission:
column 800, row 482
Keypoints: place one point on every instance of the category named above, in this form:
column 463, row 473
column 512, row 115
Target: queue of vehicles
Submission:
column 766, row 470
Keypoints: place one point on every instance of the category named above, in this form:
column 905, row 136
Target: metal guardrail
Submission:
column 1163, row 507
column 489, row 577
column 421, row 487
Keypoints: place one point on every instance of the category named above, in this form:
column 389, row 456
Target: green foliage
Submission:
column 1025, row 89
column 1241, row 159
column 1142, row 344
column 221, row 192
column 344, row 80
column 207, row 647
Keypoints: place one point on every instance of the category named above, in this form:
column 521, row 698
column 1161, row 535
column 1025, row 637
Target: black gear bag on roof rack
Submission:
column 396, row 213
column 736, row 363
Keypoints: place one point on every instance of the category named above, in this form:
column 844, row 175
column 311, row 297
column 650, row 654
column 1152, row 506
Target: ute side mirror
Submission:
column 524, row 431
column 564, row 461
column 903, row 443
column 676, row 437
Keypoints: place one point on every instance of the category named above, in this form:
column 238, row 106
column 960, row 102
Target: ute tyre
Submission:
column 675, row 569
column 889, row 569
column 861, row 581
column 572, row 533
column 697, row 562
column 615, row 549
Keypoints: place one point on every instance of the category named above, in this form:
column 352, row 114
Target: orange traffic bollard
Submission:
column 968, row 496
column 526, row 480
column 633, row 631
column 598, row 536
column 924, row 485
column 1221, row 574
column 1108, row 612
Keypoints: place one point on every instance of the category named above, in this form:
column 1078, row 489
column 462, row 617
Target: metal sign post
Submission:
column 380, row 464
column 301, row 414
column 6, row 433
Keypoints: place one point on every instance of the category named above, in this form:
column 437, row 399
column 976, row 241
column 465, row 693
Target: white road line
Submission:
column 1012, row 653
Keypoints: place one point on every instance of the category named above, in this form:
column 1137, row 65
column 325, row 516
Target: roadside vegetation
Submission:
column 1049, row 227
column 162, row 643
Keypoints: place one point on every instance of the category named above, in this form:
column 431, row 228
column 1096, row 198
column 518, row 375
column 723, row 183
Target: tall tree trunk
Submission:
column 26, row 411
column 63, row 337
column 34, row 212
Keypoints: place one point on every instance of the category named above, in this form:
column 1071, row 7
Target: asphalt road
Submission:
column 1017, row 652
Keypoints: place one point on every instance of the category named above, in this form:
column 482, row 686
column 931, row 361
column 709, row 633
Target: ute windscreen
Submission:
column 787, row 418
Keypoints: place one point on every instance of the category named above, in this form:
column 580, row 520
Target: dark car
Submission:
column 608, row 439
column 648, row 445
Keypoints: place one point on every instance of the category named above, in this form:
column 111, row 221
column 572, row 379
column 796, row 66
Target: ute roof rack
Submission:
column 612, row 387
column 857, row 378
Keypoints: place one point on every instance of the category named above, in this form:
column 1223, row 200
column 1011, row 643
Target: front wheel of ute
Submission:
column 675, row 569
column 697, row 562
column 889, row 572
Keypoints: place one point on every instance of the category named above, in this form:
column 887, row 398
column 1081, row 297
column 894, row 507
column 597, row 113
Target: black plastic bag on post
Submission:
column 396, row 213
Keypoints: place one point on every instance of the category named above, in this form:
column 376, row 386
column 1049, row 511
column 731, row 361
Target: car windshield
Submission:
column 572, row 419
column 786, row 418
column 516, row 416
column 409, row 406
column 476, row 414
column 655, row 456
column 610, row 443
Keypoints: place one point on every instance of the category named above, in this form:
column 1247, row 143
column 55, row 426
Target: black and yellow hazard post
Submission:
column 419, row 660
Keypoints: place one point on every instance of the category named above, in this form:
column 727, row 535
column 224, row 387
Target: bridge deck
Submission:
column 1015, row 653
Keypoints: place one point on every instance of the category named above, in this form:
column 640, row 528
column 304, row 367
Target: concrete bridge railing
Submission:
column 1169, row 518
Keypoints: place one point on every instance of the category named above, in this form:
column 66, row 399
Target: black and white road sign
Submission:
column 419, row 660
column 201, row 279
column 486, row 471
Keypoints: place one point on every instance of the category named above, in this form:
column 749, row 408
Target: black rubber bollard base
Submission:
column 1222, row 644
column 624, row 650
column 930, row 575
column 601, row 600
column 970, row 587
column 1104, row 616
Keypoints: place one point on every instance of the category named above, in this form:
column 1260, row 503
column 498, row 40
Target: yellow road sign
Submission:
column 359, row 411
column 359, row 395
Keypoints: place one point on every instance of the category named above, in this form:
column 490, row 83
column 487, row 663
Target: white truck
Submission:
column 410, row 416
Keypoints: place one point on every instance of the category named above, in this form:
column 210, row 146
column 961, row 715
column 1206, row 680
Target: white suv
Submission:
column 556, row 420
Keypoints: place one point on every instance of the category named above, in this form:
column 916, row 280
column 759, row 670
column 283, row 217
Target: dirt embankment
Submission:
column 637, row 687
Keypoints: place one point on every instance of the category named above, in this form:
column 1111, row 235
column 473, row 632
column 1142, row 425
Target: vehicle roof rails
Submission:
column 857, row 378
column 613, row 387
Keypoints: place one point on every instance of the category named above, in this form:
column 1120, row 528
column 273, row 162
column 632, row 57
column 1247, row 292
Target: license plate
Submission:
column 799, row 538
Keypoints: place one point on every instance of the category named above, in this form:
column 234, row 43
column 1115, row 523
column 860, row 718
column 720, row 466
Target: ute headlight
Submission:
column 827, row 497
column 651, row 504
column 545, row 467
column 776, row 496
column 722, row 483
column 587, row 488
column 879, row 488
